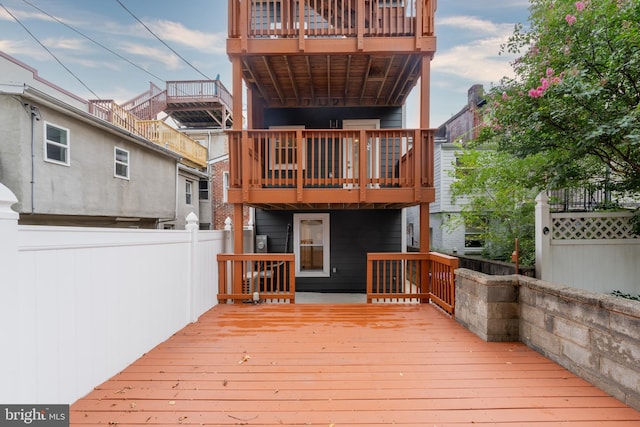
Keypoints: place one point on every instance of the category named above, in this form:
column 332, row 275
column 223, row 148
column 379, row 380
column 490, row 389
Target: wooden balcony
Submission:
column 340, row 169
column 298, row 53
column 155, row 131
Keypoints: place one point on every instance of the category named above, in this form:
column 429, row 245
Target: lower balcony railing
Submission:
column 256, row 277
column 391, row 277
column 303, row 159
column 412, row 277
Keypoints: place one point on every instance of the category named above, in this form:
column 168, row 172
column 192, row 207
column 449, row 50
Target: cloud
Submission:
column 176, row 32
column 161, row 55
column 72, row 44
column 477, row 61
column 472, row 23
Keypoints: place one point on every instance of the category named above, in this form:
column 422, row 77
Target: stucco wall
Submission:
column 87, row 186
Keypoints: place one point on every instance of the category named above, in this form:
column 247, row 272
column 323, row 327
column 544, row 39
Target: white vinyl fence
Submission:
column 77, row 305
column 594, row 251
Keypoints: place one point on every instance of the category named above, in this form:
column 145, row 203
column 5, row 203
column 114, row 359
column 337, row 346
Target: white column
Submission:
column 543, row 238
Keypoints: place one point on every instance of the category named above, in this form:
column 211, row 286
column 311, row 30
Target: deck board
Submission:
column 343, row 365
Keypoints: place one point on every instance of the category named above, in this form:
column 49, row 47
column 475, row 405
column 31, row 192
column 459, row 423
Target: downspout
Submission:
column 34, row 112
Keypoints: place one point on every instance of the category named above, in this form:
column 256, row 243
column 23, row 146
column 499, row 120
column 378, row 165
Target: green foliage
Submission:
column 576, row 95
column 499, row 200
column 627, row 296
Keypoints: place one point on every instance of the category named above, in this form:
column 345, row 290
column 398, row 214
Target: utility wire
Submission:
column 96, row 42
column 49, row 51
column 162, row 41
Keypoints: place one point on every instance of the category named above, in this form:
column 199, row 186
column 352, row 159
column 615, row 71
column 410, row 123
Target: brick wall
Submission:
column 595, row 336
column 221, row 210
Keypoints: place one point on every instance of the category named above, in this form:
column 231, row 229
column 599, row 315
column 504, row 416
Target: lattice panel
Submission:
column 591, row 228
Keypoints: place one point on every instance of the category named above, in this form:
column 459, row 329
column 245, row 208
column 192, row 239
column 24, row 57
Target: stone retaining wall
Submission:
column 595, row 336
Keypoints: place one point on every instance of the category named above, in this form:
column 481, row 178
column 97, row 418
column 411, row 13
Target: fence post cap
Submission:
column 192, row 221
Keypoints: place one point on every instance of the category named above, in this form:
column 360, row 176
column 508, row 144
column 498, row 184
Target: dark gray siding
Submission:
column 353, row 234
column 326, row 118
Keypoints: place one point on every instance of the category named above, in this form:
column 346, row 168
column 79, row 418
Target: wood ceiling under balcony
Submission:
column 325, row 80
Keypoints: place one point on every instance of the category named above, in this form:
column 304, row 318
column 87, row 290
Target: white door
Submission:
column 350, row 149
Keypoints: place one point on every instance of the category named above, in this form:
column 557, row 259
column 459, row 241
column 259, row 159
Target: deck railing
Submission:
column 199, row 91
column 174, row 140
column 108, row 110
column 412, row 277
column 330, row 158
column 256, row 277
column 330, row 18
column 154, row 130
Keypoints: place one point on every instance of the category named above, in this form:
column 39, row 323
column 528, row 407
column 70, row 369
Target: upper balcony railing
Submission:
column 330, row 18
column 302, row 161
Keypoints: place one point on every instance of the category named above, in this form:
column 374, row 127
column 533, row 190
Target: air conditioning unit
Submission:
column 261, row 244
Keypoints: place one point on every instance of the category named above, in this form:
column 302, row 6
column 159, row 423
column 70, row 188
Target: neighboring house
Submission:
column 326, row 161
column 201, row 110
column 461, row 127
column 69, row 167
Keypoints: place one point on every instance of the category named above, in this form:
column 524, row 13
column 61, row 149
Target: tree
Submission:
column 499, row 199
column 575, row 97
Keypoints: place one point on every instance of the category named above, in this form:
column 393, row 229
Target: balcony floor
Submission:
column 343, row 365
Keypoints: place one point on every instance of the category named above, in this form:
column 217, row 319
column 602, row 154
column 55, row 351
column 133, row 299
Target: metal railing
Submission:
column 255, row 278
column 412, row 278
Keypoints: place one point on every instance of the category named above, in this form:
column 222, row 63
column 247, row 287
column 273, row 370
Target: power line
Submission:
column 162, row 41
column 94, row 41
column 49, row 51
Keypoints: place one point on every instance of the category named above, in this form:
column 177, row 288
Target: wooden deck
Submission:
column 343, row 365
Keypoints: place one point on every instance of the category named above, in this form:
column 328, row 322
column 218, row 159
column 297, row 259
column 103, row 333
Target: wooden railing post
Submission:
column 363, row 179
column 301, row 29
column 300, row 151
column 244, row 26
column 369, row 279
column 360, row 16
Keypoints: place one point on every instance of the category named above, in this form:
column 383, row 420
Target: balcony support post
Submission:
column 238, row 231
column 425, row 92
column 424, row 227
column 362, row 165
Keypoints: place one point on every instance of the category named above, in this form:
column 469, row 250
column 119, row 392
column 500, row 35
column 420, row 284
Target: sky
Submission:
column 187, row 41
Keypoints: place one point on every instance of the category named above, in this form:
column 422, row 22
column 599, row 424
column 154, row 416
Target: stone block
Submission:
column 627, row 377
column 541, row 338
column 503, row 330
column 617, row 347
column 533, row 315
column 579, row 355
column 502, row 293
column 571, row 331
column 626, row 324
column 503, row 311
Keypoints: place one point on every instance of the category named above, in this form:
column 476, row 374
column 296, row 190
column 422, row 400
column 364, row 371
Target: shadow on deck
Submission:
column 343, row 365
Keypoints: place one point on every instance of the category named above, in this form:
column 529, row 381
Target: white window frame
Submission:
column 117, row 162
column 225, row 187
column 326, row 244
column 188, row 192
column 66, row 147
